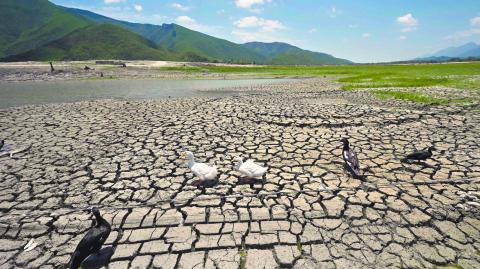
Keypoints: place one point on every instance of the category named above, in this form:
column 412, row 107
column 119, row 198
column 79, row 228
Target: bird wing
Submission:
column 86, row 245
column 355, row 162
column 213, row 173
column 89, row 239
column 202, row 169
column 351, row 158
column 252, row 169
column 104, row 233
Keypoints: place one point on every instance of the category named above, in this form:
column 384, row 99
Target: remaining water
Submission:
column 26, row 93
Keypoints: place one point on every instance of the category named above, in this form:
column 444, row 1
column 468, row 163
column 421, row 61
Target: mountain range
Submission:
column 469, row 50
column 40, row 30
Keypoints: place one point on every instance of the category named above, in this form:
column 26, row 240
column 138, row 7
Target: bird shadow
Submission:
column 249, row 181
column 205, row 183
column 99, row 259
column 354, row 176
column 423, row 164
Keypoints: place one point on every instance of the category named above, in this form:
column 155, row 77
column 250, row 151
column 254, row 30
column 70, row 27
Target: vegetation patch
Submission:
column 188, row 69
column 410, row 96
column 454, row 75
column 243, row 258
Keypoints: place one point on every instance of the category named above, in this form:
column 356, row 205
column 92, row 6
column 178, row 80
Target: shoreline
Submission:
column 74, row 70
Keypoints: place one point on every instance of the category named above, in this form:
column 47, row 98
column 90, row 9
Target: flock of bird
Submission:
column 205, row 172
column 252, row 170
column 94, row 239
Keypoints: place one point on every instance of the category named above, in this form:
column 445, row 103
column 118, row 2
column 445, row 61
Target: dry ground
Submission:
column 123, row 157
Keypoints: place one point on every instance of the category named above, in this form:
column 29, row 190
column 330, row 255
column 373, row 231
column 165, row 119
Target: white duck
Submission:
column 202, row 170
column 250, row 169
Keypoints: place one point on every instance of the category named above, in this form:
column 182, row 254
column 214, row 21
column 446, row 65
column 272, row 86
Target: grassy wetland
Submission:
column 461, row 76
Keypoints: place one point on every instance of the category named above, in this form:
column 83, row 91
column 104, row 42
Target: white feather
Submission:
column 202, row 170
column 251, row 169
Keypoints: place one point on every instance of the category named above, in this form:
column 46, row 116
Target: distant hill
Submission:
column 469, row 50
column 98, row 41
column 181, row 39
column 278, row 53
column 27, row 24
column 40, row 30
column 474, row 52
column 184, row 40
column 149, row 31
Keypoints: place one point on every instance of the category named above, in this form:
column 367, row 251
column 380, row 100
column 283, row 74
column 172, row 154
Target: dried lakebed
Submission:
column 124, row 156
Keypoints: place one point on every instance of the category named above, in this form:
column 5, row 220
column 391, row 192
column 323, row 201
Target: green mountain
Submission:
column 182, row 40
column 278, row 53
column 149, row 31
column 98, row 41
column 28, row 24
column 40, row 30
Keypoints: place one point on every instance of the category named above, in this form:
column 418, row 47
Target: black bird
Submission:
column 351, row 160
column 419, row 155
column 98, row 260
column 92, row 241
column 2, row 143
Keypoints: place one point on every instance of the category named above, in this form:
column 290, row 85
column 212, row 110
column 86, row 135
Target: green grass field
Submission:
column 463, row 76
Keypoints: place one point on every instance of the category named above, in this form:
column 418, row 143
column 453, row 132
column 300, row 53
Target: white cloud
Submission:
column 113, row 1
column 245, row 22
column 191, row 23
column 313, row 30
column 249, row 3
column 402, row 37
column 180, row 7
column 246, row 35
column 475, row 21
column 220, row 11
column 475, row 30
column 255, row 22
column 185, row 20
column 366, row 35
column 463, row 34
column 333, row 11
column 138, row 8
column 409, row 22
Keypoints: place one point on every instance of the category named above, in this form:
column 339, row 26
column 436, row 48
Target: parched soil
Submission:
column 123, row 156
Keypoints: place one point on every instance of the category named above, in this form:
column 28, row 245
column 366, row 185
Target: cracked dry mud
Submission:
column 123, row 156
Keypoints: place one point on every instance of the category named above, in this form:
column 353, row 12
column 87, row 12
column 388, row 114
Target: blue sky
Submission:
column 358, row 30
